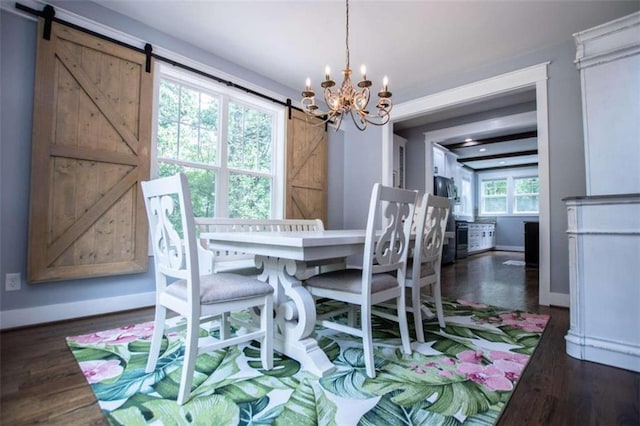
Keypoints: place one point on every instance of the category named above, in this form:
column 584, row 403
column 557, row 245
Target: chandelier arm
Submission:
column 323, row 116
column 383, row 120
column 363, row 122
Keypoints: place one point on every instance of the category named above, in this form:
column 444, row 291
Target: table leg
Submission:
column 295, row 315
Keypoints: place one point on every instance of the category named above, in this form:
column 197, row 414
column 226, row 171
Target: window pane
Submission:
column 208, row 145
column 168, row 140
column 188, row 150
column 495, row 205
column 250, row 138
column 494, row 187
column 249, row 196
column 527, row 186
column 209, row 111
column 202, row 185
column 188, row 124
column 526, row 204
column 169, row 101
column 189, row 105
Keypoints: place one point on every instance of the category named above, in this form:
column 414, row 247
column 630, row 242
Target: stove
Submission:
column 462, row 239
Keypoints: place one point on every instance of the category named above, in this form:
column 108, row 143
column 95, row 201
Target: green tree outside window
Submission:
column 189, row 130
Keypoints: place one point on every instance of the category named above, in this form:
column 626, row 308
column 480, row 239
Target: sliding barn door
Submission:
column 306, row 195
column 91, row 137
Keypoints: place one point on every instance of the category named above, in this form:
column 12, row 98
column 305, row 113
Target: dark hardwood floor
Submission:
column 40, row 381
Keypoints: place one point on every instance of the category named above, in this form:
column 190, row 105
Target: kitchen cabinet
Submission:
column 439, row 162
column 482, row 237
column 445, row 163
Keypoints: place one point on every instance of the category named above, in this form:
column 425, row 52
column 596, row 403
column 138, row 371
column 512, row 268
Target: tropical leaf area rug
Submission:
column 463, row 374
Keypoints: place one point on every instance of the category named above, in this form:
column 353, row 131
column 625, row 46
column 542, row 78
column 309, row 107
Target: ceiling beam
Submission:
column 496, row 139
column 496, row 156
column 480, row 169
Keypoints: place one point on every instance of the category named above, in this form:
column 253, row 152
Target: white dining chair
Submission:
column 181, row 288
column 424, row 265
column 382, row 275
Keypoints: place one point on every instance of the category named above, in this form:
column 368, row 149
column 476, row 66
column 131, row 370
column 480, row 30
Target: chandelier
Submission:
column 347, row 99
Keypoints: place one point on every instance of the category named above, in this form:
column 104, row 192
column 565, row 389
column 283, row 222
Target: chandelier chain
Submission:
column 347, row 38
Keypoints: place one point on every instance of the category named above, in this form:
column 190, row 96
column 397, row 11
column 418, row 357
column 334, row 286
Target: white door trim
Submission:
column 534, row 76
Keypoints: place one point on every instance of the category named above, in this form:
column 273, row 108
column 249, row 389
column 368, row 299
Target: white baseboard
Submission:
column 509, row 248
column 616, row 354
column 64, row 311
column 559, row 299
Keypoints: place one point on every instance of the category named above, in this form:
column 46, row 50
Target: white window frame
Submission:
column 510, row 175
column 240, row 97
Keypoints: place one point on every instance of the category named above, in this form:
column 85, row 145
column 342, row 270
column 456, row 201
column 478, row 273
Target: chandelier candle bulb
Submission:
column 308, row 93
column 363, row 71
column 327, row 73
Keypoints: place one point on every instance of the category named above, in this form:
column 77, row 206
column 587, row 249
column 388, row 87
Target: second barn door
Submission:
column 306, row 194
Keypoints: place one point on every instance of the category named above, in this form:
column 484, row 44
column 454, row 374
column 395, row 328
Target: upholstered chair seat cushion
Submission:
column 350, row 280
column 222, row 287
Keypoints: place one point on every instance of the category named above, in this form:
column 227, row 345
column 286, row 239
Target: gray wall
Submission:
column 362, row 168
column 335, row 208
column 510, row 230
column 415, row 166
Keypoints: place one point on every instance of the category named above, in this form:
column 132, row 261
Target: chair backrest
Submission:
column 387, row 250
column 431, row 222
column 175, row 251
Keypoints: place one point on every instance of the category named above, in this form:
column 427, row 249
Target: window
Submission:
column 513, row 192
column 493, row 196
column 526, row 195
column 227, row 143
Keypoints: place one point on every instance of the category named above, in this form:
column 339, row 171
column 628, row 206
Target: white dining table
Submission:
column 281, row 255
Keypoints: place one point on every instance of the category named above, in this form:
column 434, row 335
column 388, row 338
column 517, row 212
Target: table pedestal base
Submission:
column 295, row 314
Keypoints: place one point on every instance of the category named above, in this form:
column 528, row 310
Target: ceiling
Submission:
column 409, row 41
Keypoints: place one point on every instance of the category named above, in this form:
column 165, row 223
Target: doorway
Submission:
column 531, row 77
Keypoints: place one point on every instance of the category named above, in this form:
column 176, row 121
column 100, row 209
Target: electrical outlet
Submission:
column 12, row 282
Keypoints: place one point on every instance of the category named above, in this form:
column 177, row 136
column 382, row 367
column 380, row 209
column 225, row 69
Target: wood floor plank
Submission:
column 40, row 381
